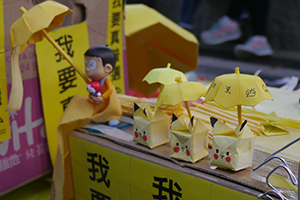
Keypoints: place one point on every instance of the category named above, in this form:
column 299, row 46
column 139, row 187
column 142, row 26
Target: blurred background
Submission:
column 281, row 30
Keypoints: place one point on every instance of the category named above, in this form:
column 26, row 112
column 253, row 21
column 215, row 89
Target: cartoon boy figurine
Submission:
column 100, row 61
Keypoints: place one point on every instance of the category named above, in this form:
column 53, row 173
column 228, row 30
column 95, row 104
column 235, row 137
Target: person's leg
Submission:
column 258, row 10
column 227, row 28
column 235, row 9
column 257, row 44
column 187, row 11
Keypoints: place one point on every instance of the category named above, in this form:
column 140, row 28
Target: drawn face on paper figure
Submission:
column 138, row 133
column 224, row 156
column 181, row 148
column 141, row 126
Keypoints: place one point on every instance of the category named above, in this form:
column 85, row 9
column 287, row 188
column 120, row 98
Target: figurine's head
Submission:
column 99, row 62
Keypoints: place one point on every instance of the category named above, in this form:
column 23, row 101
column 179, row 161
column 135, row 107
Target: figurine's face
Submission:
column 94, row 68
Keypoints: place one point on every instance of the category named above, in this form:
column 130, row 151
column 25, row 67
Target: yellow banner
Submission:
column 98, row 172
column 151, row 181
column 4, row 116
column 219, row 192
column 115, row 42
column 58, row 79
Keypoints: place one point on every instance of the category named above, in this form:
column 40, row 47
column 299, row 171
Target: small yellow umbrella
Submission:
column 181, row 92
column 164, row 76
column 30, row 28
column 236, row 90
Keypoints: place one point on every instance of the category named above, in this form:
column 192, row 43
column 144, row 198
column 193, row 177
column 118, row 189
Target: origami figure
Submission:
column 100, row 61
column 150, row 128
column 188, row 143
column 231, row 149
column 94, row 88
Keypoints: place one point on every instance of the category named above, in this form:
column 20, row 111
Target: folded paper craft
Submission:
column 272, row 126
column 150, row 128
column 231, row 149
column 188, row 143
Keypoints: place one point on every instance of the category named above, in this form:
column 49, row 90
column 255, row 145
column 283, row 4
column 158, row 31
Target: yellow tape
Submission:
column 4, row 117
column 115, row 42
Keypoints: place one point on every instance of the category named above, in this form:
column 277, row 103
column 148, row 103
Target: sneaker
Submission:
column 222, row 31
column 113, row 122
column 256, row 45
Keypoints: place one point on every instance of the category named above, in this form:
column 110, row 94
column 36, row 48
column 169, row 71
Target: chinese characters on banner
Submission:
column 4, row 118
column 98, row 172
column 163, row 183
column 58, row 79
column 115, row 42
column 101, row 173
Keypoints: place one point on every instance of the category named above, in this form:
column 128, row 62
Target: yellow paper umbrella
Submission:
column 32, row 27
column 181, row 92
column 164, row 76
column 236, row 90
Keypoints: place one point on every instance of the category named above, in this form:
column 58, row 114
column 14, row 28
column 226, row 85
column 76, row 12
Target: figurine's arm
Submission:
column 109, row 90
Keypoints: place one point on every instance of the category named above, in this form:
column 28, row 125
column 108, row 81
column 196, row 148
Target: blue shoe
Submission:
column 222, row 31
column 256, row 45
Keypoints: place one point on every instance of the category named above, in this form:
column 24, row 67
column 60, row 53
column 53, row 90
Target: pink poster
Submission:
column 25, row 156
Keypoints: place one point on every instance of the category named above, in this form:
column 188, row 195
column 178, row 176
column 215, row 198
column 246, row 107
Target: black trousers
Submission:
column 257, row 9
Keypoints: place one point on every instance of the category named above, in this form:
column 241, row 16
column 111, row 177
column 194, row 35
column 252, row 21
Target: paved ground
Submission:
column 217, row 60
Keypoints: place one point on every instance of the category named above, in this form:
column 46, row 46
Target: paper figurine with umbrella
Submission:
column 231, row 149
column 32, row 27
column 188, row 143
column 235, row 90
column 150, row 128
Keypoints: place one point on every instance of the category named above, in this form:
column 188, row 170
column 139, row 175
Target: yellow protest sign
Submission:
column 98, row 172
column 4, row 116
column 220, row 192
column 115, row 42
column 151, row 181
column 58, row 79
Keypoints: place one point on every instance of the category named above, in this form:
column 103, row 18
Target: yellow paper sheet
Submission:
column 4, row 117
column 115, row 42
column 59, row 81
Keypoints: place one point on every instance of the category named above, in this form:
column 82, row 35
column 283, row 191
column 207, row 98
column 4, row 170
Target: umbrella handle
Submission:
column 239, row 111
column 188, row 109
column 50, row 39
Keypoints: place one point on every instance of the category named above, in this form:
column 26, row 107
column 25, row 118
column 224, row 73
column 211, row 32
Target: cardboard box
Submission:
column 102, row 163
column 25, row 156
